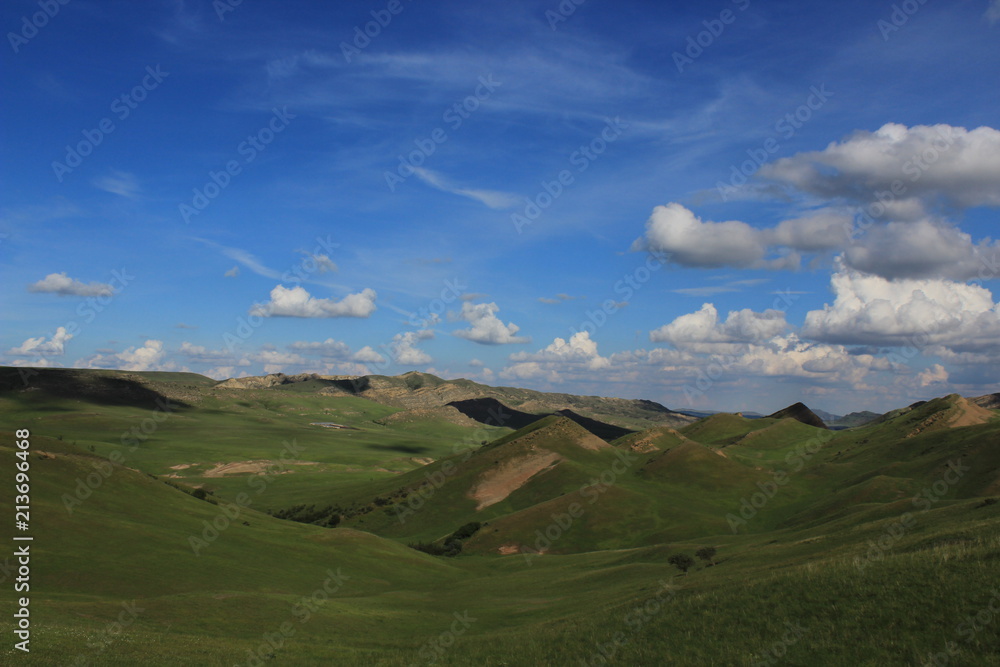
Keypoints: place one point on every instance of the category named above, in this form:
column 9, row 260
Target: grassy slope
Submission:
column 801, row 558
column 232, row 426
column 211, row 609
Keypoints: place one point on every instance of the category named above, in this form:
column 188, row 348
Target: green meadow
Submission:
column 878, row 545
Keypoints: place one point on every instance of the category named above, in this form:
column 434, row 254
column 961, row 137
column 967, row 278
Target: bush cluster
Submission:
column 328, row 516
column 452, row 545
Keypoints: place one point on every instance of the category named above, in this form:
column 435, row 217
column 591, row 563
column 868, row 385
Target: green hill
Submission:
column 874, row 543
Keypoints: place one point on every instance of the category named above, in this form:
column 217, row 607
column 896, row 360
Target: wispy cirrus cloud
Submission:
column 490, row 198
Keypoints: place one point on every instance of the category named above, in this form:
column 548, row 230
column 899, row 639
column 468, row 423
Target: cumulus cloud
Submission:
column 150, row 356
column 63, row 285
column 54, row 346
column 577, row 354
column 703, row 329
column 487, row 328
column 297, row 302
column 317, row 263
column 790, row 356
column 822, row 230
column 676, row 230
column 871, row 310
column 958, row 166
column 276, row 361
column 691, row 241
column 922, row 249
column 367, row 355
column 405, row 350
column 932, row 375
column 328, row 348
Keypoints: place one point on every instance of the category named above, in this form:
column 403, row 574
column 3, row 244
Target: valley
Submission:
column 156, row 500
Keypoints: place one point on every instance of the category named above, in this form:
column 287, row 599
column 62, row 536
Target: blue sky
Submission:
column 683, row 202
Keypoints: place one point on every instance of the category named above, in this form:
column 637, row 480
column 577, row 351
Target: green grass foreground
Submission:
column 127, row 569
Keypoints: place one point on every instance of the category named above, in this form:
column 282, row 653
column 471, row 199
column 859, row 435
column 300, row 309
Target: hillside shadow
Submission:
column 34, row 384
column 492, row 412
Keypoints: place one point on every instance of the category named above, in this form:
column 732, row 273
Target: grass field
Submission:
column 872, row 551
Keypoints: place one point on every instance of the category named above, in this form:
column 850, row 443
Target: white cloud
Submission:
column 54, row 346
column 709, row 290
column 63, row 285
column 119, row 183
column 529, row 370
column 491, row 198
column 870, row 310
column 821, row 230
column 691, row 242
column 405, row 350
column 959, row 166
column 702, row 329
column 327, row 348
column 577, row 354
column 149, row 356
column 934, row 374
column 317, row 263
column 233, row 272
column 367, row 355
column 220, row 372
column 487, row 328
column 276, row 361
column 202, row 355
column 245, row 258
column 297, row 302
column 922, row 249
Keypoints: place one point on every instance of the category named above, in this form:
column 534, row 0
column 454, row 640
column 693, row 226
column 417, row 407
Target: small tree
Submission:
column 707, row 554
column 682, row 562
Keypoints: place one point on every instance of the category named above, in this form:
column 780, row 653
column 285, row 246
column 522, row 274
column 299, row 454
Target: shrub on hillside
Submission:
column 682, row 562
column 707, row 554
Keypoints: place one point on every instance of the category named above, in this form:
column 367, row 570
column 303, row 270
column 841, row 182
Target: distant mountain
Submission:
column 855, row 419
column 801, row 413
column 827, row 417
column 989, row 401
column 701, row 414
column 504, row 406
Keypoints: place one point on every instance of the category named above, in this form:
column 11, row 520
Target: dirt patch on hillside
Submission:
column 647, row 443
column 446, row 413
column 591, row 442
column 961, row 413
column 253, row 467
column 969, row 414
column 508, row 549
column 509, row 476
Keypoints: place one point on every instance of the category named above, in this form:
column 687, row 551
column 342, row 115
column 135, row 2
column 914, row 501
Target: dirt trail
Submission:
column 500, row 482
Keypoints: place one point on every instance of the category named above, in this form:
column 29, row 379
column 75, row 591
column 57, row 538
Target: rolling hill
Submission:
column 877, row 540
